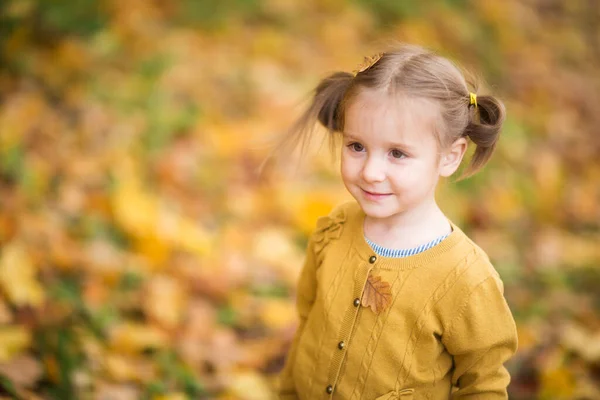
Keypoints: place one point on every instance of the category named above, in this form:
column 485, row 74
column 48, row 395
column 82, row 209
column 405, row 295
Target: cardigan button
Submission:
column 356, row 302
column 372, row 259
column 329, row 389
column 341, row 345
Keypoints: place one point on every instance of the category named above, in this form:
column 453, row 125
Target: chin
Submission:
column 379, row 214
column 376, row 210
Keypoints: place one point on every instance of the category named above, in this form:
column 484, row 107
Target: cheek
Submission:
column 408, row 176
column 348, row 166
column 345, row 172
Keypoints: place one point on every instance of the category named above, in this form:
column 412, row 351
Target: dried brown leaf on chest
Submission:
column 377, row 294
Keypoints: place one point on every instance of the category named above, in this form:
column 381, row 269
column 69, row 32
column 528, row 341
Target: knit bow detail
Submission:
column 328, row 227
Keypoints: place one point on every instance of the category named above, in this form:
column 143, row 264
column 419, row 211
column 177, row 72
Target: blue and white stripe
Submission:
column 385, row 252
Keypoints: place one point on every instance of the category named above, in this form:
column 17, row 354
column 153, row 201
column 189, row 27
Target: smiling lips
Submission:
column 374, row 196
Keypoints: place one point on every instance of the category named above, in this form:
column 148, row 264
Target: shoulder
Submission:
column 477, row 266
column 343, row 210
column 475, row 286
column 331, row 226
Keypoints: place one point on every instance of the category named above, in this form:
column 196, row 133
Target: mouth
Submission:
column 375, row 195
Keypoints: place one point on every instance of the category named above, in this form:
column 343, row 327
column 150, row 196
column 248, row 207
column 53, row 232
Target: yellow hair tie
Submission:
column 473, row 99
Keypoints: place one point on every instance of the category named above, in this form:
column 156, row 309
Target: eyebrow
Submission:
column 392, row 144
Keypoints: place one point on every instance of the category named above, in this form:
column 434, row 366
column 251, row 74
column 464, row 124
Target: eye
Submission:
column 356, row 146
column 398, row 154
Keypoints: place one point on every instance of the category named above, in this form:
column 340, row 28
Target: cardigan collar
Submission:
column 356, row 218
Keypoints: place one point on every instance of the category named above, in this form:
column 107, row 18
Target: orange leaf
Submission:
column 377, row 294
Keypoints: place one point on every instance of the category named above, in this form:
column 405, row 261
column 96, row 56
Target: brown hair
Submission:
column 412, row 71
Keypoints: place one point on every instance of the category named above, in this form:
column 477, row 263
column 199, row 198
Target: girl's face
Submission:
column 390, row 159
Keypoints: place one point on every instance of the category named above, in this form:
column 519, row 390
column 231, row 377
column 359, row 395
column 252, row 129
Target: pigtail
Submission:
column 325, row 108
column 485, row 122
column 328, row 100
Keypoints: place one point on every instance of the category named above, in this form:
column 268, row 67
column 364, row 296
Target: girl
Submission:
column 395, row 301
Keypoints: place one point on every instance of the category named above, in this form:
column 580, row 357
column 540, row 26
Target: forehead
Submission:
column 373, row 115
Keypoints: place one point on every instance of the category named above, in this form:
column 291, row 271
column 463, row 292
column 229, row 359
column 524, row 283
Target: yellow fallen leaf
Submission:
column 307, row 205
column 311, row 209
column 274, row 246
column 13, row 340
column 504, row 200
column 420, row 31
column 527, row 334
column 164, row 300
column 5, row 314
column 119, row 368
column 257, row 354
column 123, row 368
column 52, row 368
column 581, row 341
column 19, row 115
column 152, row 247
column 557, row 383
column 143, row 216
column 132, row 337
column 17, row 277
column 549, row 180
column 171, row 396
column 250, row 386
column 278, row 314
column 103, row 259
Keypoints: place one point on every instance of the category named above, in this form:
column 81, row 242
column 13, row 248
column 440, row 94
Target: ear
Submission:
column 452, row 157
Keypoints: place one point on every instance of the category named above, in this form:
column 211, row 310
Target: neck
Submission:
column 406, row 230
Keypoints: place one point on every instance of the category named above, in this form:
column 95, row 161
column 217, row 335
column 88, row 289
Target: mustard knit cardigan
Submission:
column 445, row 333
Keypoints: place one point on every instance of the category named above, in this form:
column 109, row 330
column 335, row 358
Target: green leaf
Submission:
column 7, row 387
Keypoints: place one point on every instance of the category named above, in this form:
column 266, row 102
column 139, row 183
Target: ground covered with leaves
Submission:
column 142, row 257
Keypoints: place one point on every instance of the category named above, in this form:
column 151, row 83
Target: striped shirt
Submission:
column 386, row 252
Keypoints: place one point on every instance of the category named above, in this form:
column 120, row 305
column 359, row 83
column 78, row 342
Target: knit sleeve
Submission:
column 481, row 338
column 305, row 298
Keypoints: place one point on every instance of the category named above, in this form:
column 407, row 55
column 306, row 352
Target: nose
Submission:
column 373, row 170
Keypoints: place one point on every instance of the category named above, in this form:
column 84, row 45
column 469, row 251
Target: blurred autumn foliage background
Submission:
column 142, row 257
